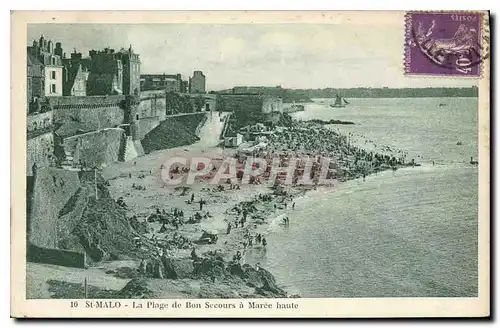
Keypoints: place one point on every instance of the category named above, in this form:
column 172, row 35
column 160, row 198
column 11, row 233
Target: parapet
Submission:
column 85, row 101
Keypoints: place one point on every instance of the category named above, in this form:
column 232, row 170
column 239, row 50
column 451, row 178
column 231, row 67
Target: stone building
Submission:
column 172, row 85
column 262, row 104
column 75, row 81
column 50, row 57
column 251, row 108
column 75, row 75
column 106, row 73
column 131, row 72
column 114, row 72
column 35, row 80
column 197, row 83
column 184, row 86
column 166, row 82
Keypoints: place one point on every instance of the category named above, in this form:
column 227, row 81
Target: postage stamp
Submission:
column 249, row 164
column 444, row 43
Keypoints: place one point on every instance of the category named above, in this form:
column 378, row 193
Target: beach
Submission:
column 139, row 185
column 168, row 222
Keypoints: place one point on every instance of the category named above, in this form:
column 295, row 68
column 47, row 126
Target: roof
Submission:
column 86, row 63
column 47, row 59
column 160, row 76
column 73, row 73
column 32, row 60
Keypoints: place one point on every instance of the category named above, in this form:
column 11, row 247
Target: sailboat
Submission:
column 339, row 102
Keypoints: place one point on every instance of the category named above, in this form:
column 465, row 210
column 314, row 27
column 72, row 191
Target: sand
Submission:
column 145, row 171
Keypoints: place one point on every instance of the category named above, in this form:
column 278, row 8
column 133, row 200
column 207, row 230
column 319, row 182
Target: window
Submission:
column 53, row 60
column 53, row 75
column 52, row 88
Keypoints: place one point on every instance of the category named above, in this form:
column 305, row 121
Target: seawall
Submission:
column 39, row 151
column 174, row 132
column 52, row 189
column 56, row 256
column 96, row 148
column 76, row 115
column 292, row 108
column 93, row 132
column 52, row 135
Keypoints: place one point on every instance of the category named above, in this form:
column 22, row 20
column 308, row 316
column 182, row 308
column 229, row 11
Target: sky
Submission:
column 290, row 55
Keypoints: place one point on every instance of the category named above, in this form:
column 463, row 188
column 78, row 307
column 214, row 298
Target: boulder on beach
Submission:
column 177, row 268
column 99, row 226
column 210, row 268
column 125, row 272
column 136, row 288
column 262, row 280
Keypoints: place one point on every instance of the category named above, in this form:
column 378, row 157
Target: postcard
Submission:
column 250, row 164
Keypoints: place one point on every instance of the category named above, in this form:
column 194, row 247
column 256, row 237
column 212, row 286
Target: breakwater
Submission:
column 292, row 108
column 332, row 121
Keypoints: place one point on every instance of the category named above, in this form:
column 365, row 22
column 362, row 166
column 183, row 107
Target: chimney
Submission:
column 76, row 56
column 58, row 50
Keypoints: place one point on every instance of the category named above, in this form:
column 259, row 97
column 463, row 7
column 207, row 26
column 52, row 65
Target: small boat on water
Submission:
column 442, row 105
column 339, row 102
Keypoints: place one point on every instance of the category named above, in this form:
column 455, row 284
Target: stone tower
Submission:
column 131, row 72
column 132, row 115
column 197, row 82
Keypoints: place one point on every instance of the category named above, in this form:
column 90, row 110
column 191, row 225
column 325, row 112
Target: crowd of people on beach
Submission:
column 309, row 139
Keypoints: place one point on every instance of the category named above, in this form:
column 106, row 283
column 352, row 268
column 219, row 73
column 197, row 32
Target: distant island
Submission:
column 306, row 95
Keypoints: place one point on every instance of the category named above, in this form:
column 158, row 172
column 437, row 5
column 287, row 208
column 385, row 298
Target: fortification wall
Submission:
column 240, row 103
column 152, row 93
column 40, row 151
column 130, row 152
column 39, row 121
column 96, row 148
column 273, row 117
column 146, row 125
column 85, row 114
column 272, row 104
column 152, row 104
column 210, row 104
column 138, row 147
column 56, row 256
column 151, row 107
column 51, row 191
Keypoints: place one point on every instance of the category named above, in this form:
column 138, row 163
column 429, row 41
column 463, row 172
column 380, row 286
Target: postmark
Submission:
column 444, row 44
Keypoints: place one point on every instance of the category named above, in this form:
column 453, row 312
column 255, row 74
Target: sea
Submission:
column 409, row 233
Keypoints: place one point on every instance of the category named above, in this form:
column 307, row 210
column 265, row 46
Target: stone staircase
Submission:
column 68, row 163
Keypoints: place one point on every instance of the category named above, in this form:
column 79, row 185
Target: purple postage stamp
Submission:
column 443, row 43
